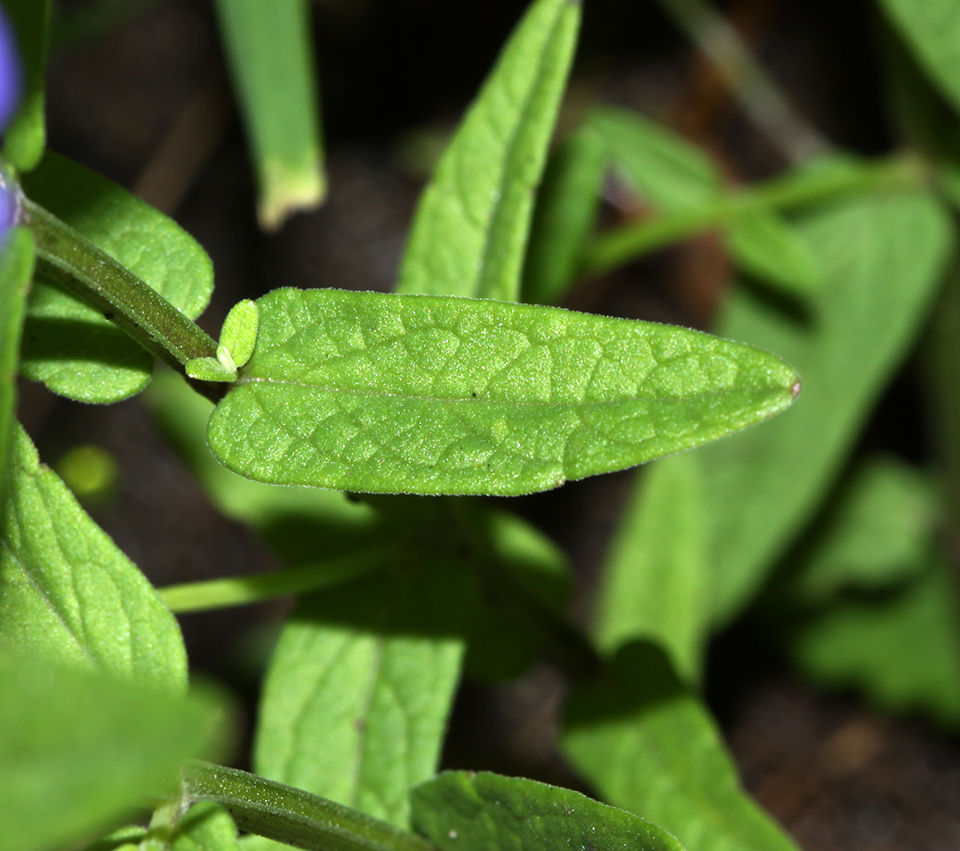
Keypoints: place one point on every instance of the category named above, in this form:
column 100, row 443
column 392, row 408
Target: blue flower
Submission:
column 10, row 86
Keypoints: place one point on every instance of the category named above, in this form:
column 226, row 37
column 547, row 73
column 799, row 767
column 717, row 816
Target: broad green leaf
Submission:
column 206, row 827
column 357, row 697
column 902, row 650
column 421, row 394
column 763, row 244
column 648, row 744
column 656, row 578
column 16, row 269
column 882, row 257
column 467, row 811
column 877, row 532
column 239, row 332
column 25, row 138
column 565, row 215
column 471, row 226
column 67, row 593
column 79, row 750
column 271, row 59
column 666, row 171
column 69, row 346
column 932, row 29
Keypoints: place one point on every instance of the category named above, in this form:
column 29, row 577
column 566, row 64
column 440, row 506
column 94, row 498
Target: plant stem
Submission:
column 293, row 816
column 758, row 94
column 628, row 242
column 81, row 268
column 242, row 590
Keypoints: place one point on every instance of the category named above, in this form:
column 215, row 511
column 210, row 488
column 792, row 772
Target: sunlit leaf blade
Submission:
column 16, row 269
column 877, row 532
column 647, row 744
column 666, row 171
column 764, row 245
column 67, row 593
column 25, row 138
column 206, row 827
column 69, row 346
column 656, row 578
column 80, row 750
column 464, row 811
column 565, row 215
column 882, row 258
column 932, row 29
column 364, row 676
column 902, row 650
column 471, row 227
column 271, row 59
column 423, row 394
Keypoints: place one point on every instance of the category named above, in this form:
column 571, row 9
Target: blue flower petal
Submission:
column 10, row 75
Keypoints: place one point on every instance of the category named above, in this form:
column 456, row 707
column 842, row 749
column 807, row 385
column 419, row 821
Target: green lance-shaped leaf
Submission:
column 567, row 206
column 16, row 269
column 66, row 591
column 79, row 749
column 764, row 245
column 882, row 257
column 364, row 676
column 901, row 650
column 877, row 533
column 664, row 169
column 471, row 227
column 423, row 394
column 271, row 60
column 656, row 579
column 464, row 811
column 932, row 29
column 647, row 744
column 25, row 138
column 68, row 345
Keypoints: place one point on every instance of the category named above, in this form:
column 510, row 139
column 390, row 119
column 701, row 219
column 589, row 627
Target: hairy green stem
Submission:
column 758, row 94
column 80, row 267
column 242, row 590
column 293, row 816
column 630, row 241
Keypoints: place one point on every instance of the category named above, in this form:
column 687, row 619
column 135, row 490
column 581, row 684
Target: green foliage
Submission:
column 431, row 395
column 882, row 257
column 79, row 749
column 68, row 345
column 68, row 594
column 765, row 246
column 271, row 59
column 647, row 744
column 16, row 269
column 25, row 138
column 473, row 219
column 463, row 811
column 656, row 579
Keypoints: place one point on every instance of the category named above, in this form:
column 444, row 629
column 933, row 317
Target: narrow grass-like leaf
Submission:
column 902, row 651
column 764, row 245
column 882, row 257
column 647, row 744
column 66, row 591
column 877, row 533
column 656, row 579
column 25, row 138
column 666, row 171
column 361, row 684
column 16, row 269
column 421, row 394
column 565, row 215
column 471, row 227
column 71, row 347
column 464, row 811
column 271, row 59
column 932, row 29
column 79, row 750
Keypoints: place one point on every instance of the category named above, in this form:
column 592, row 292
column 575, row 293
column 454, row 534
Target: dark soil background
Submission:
column 138, row 92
